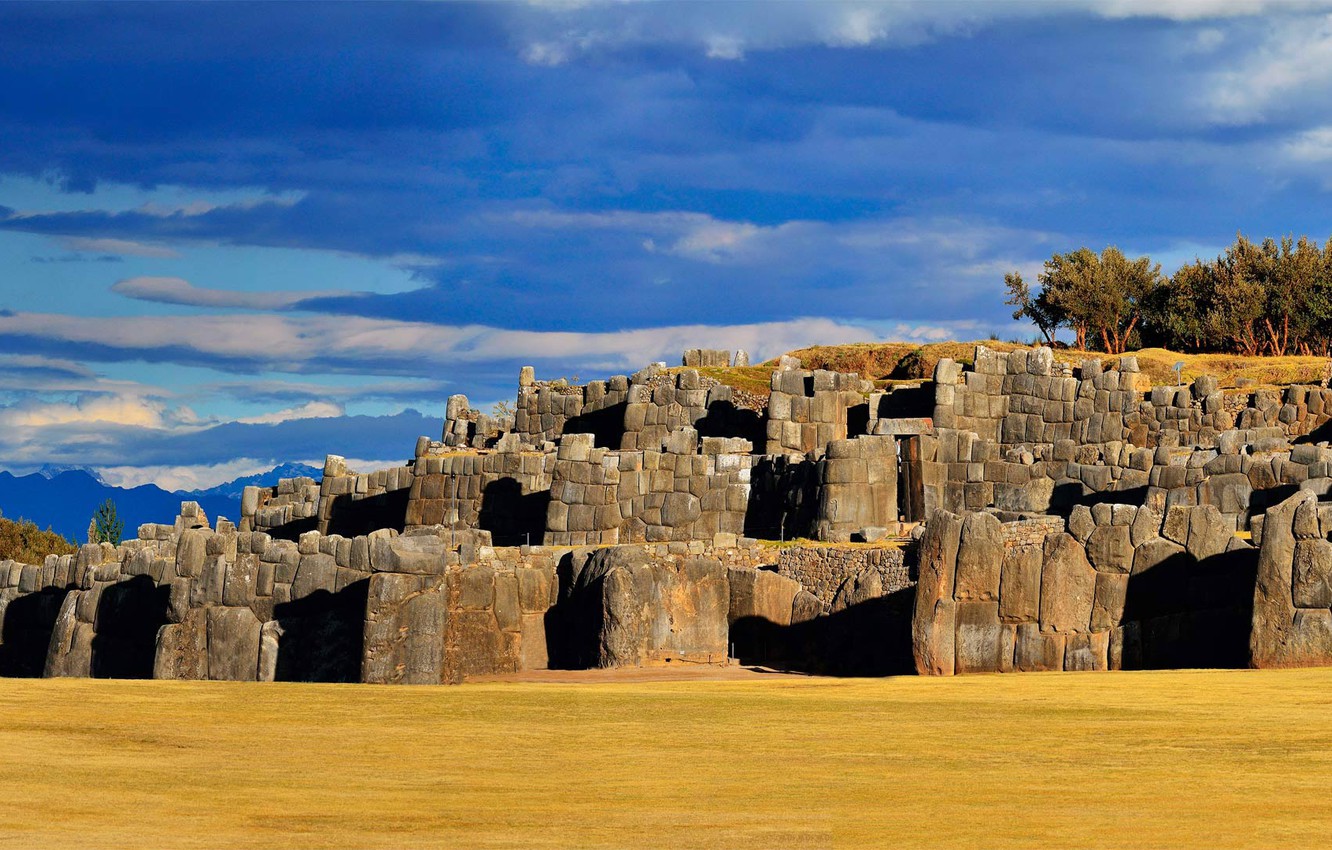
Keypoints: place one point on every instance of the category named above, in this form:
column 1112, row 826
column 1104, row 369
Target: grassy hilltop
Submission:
column 889, row 362
column 1214, row 759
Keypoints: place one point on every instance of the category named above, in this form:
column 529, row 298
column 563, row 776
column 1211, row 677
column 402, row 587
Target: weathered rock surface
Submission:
column 1068, row 585
column 933, row 626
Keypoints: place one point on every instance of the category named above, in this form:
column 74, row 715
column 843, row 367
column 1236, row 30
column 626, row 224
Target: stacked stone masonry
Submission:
column 1076, row 518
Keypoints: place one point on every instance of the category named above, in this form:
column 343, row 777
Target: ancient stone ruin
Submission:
column 1021, row 514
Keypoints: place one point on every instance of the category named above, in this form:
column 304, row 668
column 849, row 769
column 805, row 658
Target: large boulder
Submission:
column 1068, row 586
column 979, row 556
column 1312, row 586
column 233, row 644
column 1020, row 585
column 1110, row 549
column 1036, row 651
column 932, row 625
column 761, row 593
column 405, row 619
column 978, row 643
column 1280, row 638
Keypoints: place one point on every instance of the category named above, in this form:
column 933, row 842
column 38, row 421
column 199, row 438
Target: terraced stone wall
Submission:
column 1120, row 586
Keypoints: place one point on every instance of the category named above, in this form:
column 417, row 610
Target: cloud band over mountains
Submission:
column 220, row 223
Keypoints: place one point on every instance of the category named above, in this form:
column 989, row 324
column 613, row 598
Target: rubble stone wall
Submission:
column 823, row 571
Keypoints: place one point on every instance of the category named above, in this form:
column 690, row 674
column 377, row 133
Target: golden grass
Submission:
column 1171, row 759
column 906, row 361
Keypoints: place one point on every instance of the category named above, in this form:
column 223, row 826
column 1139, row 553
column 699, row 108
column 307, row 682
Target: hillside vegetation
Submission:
column 21, row 540
column 1217, row 759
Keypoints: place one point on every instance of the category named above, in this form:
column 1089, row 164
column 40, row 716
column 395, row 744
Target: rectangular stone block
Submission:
column 1036, row 651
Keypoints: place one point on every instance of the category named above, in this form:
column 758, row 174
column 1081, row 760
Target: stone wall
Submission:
column 352, row 504
column 1292, row 623
column 503, row 491
column 824, row 571
column 713, row 357
column 857, row 489
column 465, row 427
column 288, row 508
column 601, row 497
column 190, row 601
column 546, row 410
column 342, row 502
column 1121, row 587
column 1025, row 434
column 630, row 606
column 809, row 409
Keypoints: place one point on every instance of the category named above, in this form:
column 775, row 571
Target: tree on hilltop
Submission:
column 1101, row 297
column 108, row 526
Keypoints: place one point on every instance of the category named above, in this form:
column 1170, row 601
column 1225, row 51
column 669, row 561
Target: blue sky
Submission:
column 236, row 235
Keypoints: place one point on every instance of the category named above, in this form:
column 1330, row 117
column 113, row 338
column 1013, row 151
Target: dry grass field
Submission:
column 1172, row 759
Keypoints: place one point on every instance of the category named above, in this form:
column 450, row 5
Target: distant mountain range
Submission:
column 64, row 498
column 232, row 489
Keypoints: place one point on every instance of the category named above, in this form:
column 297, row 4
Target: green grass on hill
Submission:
column 1172, row 759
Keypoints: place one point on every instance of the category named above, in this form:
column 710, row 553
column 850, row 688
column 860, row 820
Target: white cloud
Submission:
column 184, row 477
column 204, row 476
column 552, row 34
column 309, row 410
column 175, row 290
column 100, row 409
column 1291, row 64
column 117, row 247
column 546, row 53
column 1310, row 146
column 307, row 343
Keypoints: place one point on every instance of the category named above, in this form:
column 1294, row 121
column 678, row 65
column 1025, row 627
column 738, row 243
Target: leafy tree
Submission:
column 1120, row 287
column 1068, row 282
column 1038, row 309
column 1273, row 297
column 1239, row 298
column 1101, row 297
column 108, row 525
column 1175, row 314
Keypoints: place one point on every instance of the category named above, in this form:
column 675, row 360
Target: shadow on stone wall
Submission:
column 322, row 635
column 357, row 517
column 512, row 517
column 724, row 419
column 573, row 623
column 129, row 613
column 605, row 425
column 870, row 638
column 783, row 501
column 1186, row 613
column 1261, row 500
column 1068, row 495
column 26, row 631
column 293, row 530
